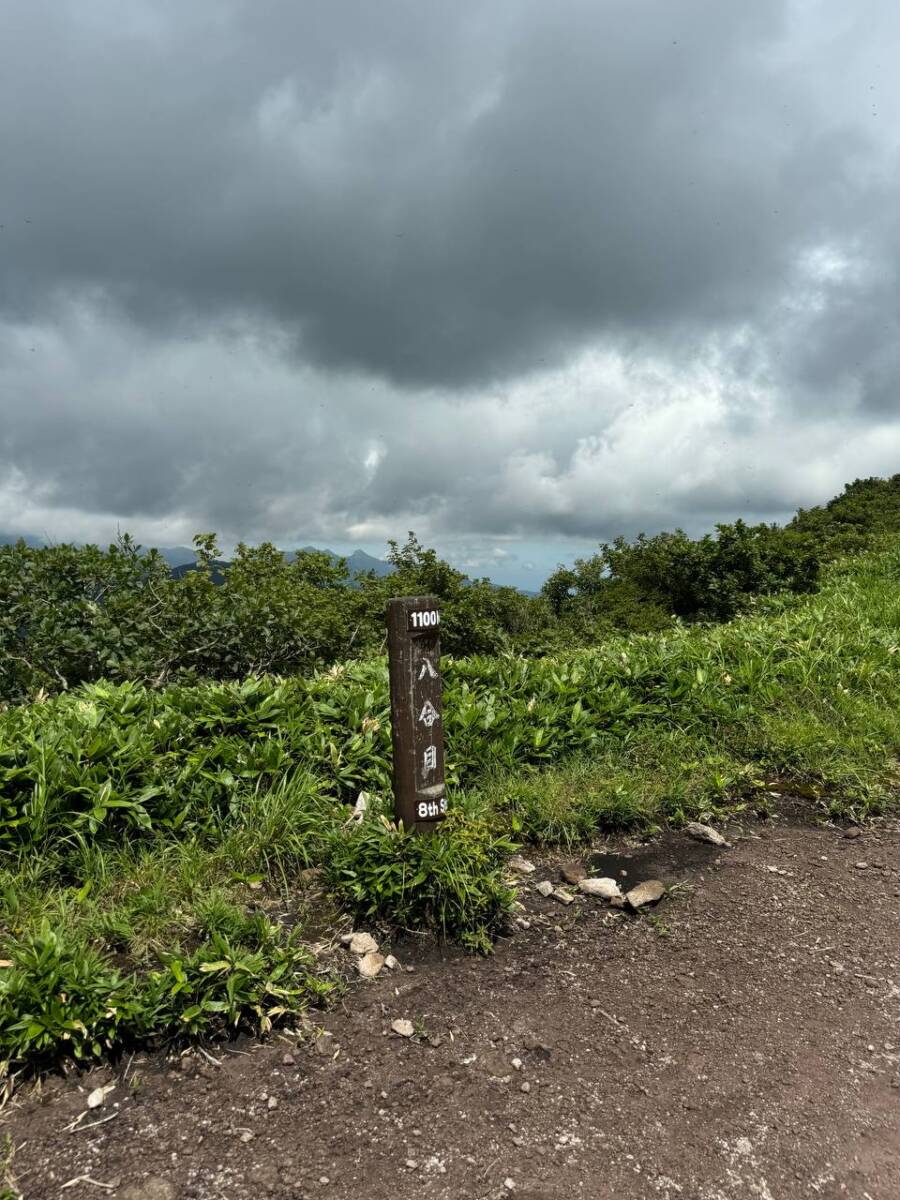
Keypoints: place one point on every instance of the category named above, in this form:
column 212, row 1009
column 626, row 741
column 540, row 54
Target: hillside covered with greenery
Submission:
column 156, row 836
column 153, row 838
column 71, row 615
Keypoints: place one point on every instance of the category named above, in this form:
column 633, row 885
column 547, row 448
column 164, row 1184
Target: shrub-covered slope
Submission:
column 152, row 839
column 71, row 615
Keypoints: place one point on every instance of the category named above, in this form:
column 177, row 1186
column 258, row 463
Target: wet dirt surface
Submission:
column 673, row 858
column 740, row 1040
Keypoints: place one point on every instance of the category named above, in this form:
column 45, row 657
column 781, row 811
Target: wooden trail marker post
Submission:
column 414, row 661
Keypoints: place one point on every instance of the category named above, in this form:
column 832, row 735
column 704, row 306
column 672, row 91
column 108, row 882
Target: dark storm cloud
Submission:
column 256, row 256
column 434, row 192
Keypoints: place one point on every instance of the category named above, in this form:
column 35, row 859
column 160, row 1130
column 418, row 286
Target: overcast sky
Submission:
column 518, row 275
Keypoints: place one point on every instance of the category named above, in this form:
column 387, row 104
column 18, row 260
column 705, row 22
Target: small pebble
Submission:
column 526, row 1087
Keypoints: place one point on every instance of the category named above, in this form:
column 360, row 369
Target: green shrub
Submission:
column 59, row 996
column 450, row 880
column 640, row 585
column 249, row 983
column 72, row 615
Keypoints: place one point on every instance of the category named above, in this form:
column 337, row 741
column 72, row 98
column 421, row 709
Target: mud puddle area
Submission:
column 671, row 858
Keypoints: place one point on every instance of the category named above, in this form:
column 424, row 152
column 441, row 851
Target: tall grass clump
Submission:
column 449, row 880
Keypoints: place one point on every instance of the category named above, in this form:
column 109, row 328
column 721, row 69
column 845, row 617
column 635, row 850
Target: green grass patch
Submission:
column 136, row 826
column 449, row 880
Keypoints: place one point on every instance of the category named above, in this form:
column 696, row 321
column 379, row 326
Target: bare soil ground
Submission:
column 742, row 1040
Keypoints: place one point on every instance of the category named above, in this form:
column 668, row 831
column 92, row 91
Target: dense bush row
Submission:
column 71, row 615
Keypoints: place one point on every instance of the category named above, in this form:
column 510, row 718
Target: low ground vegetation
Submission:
column 155, row 840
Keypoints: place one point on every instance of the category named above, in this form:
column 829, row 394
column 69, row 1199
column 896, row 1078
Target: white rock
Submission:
column 520, row 864
column 647, row 892
column 391, row 963
column 517, row 1064
column 545, row 887
column 363, row 943
column 99, row 1094
column 606, row 888
column 370, row 964
column 402, row 1027
column 563, row 896
column 359, row 809
column 509, row 1184
column 705, row 833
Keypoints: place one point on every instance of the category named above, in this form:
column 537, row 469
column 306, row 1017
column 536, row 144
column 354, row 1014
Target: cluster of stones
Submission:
column 605, row 888
column 369, row 962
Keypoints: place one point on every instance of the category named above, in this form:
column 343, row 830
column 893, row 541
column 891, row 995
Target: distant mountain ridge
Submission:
column 358, row 562
column 181, row 558
column 182, row 561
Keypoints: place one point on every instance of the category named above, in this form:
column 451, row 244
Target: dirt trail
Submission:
column 742, row 1041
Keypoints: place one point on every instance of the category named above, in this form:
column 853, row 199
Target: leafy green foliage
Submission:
column 251, row 982
column 113, row 761
column 60, row 996
column 866, row 509
column 449, row 880
column 148, row 834
column 72, row 615
column 639, row 585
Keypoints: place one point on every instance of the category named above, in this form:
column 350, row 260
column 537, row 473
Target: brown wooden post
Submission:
column 414, row 660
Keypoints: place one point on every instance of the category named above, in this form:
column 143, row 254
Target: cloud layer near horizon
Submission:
column 298, row 271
